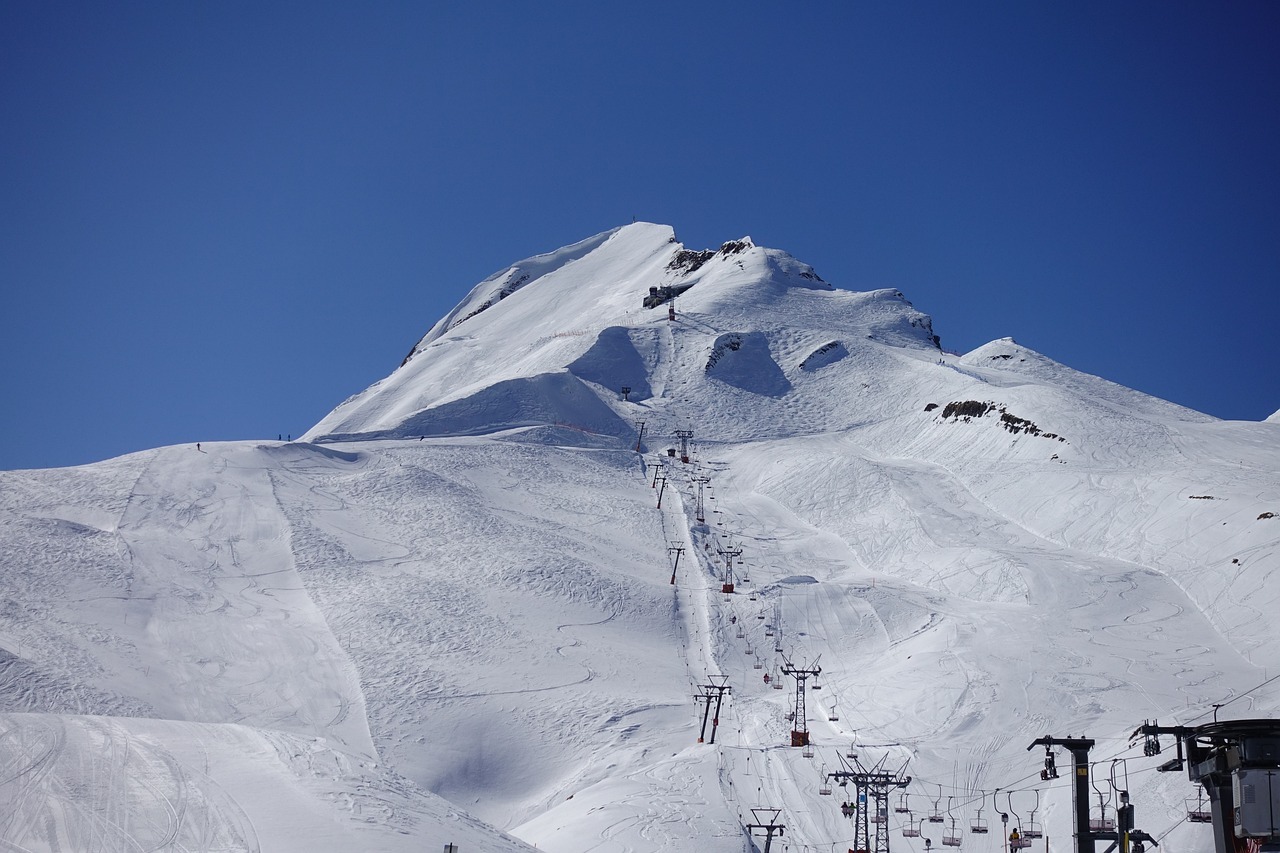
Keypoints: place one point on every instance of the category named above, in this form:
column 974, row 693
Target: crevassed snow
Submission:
column 448, row 615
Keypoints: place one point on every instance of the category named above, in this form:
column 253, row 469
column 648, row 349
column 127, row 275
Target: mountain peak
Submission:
column 597, row 312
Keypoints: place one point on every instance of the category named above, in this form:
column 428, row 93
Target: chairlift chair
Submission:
column 759, row 664
column 824, row 786
column 951, row 837
column 1102, row 823
column 832, row 716
column 852, row 752
column 1033, row 831
column 807, row 751
column 912, row 829
column 1017, row 839
column 1197, row 812
column 979, row 826
column 880, row 816
column 902, row 807
column 740, row 633
column 935, row 816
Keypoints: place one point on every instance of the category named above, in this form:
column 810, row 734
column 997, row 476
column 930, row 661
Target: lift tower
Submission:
column 713, row 692
column 799, row 721
column 766, row 819
column 1238, row 763
column 873, row 786
column 684, row 435
column 1086, row 837
column 729, row 554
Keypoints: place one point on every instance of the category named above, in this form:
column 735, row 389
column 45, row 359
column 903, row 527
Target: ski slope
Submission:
column 446, row 615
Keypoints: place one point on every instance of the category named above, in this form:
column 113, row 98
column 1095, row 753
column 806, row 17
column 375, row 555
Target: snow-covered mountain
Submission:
column 446, row 614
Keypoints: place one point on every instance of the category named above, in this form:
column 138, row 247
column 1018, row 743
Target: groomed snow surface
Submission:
column 447, row 615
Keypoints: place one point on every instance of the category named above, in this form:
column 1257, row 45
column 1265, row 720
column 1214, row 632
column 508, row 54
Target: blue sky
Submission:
column 221, row 219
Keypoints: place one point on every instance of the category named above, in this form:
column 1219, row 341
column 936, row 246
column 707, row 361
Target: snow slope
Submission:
column 447, row 614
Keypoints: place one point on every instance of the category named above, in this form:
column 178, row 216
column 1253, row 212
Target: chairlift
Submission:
column 852, row 752
column 902, row 807
column 1033, row 831
column 768, row 631
column 1198, row 811
column 1102, row 823
column 1017, row 840
column 935, row 816
column 951, row 837
column 912, row 829
column 880, row 816
column 979, row 826
column 824, row 786
column 817, row 685
column 759, row 664
column 832, row 716
column 740, row 633
column 807, row 751
column 748, row 650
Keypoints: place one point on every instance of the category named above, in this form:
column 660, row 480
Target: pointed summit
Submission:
column 551, row 339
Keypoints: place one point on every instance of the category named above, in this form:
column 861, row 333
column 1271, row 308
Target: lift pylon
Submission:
column 1237, row 765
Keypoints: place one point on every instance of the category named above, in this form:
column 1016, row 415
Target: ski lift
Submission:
column 935, row 816
column 1017, row 841
column 1033, row 831
column 777, row 684
column 807, row 751
column 817, row 685
column 740, row 633
column 852, row 751
column 777, row 647
column 824, row 786
column 759, row 615
column 912, row 829
column 979, row 826
column 748, row 650
column 951, row 837
column 768, row 630
column 832, row 716
column 1198, row 811
column 881, row 816
column 1102, row 823
column 759, row 664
